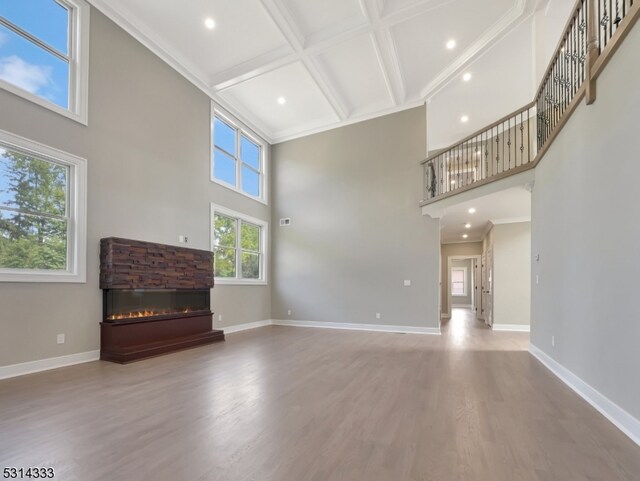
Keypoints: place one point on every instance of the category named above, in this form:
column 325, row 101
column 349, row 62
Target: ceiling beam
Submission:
column 385, row 52
column 289, row 29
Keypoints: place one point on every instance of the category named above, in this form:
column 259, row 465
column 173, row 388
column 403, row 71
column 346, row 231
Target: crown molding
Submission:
column 505, row 25
column 175, row 61
column 511, row 220
column 380, row 22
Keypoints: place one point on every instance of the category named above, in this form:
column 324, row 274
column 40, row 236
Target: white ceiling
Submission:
column 489, row 95
column 338, row 61
column 505, row 206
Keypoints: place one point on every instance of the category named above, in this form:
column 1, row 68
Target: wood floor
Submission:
column 301, row 404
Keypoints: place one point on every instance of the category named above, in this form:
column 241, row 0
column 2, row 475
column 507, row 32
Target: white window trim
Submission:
column 464, row 284
column 77, row 228
column 264, row 232
column 247, row 132
column 79, row 20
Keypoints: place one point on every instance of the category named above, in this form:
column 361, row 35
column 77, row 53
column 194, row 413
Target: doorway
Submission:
column 465, row 285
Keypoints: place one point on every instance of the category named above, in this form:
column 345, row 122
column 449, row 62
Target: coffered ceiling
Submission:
column 334, row 62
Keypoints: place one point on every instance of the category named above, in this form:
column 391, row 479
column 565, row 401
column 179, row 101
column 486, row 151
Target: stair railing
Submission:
column 517, row 142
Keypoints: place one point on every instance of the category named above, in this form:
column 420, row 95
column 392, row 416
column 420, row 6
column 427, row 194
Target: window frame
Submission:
column 79, row 20
column 242, row 130
column 264, row 238
column 464, row 282
column 76, row 271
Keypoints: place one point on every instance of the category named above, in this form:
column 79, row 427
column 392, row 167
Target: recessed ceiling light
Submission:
column 464, row 236
column 464, row 119
column 472, row 210
column 466, row 77
column 209, row 23
column 467, row 225
column 451, row 44
column 282, row 100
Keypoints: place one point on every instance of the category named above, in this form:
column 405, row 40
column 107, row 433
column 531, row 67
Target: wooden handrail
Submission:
column 587, row 44
column 621, row 33
column 481, row 131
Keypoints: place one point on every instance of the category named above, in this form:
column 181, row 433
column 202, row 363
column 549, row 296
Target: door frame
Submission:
column 478, row 258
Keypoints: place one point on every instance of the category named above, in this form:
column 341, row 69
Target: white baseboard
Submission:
column 358, row 327
column 512, row 327
column 614, row 413
column 244, row 327
column 31, row 367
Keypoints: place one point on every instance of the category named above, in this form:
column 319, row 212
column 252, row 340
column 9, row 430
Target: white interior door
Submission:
column 477, row 288
column 489, row 305
column 483, row 287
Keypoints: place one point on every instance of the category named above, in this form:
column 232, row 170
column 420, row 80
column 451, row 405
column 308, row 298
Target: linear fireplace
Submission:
column 156, row 299
column 125, row 304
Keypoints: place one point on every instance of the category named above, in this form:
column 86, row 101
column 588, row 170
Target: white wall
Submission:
column 147, row 147
column 586, row 228
column 502, row 82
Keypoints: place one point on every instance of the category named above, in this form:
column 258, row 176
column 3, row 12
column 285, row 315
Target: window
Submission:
column 42, row 213
column 239, row 246
column 459, row 281
column 44, row 53
column 238, row 158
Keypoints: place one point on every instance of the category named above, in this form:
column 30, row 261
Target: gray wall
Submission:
column 586, row 230
column 512, row 273
column 459, row 249
column 463, row 300
column 356, row 230
column 147, row 146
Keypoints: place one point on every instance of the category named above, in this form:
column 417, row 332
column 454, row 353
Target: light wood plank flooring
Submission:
column 301, row 404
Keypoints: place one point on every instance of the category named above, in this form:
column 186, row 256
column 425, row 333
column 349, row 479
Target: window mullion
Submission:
column 238, row 160
column 238, row 249
column 249, row 166
column 35, row 40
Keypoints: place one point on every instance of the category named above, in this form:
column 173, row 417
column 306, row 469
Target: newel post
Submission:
column 592, row 50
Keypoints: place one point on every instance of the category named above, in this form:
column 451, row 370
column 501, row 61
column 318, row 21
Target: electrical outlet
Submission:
column 289, row 312
column 378, row 316
column 407, row 282
column 219, row 317
column 553, row 341
column 537, row 279
column 285, row 222
column 60, row 338
column 183, row 239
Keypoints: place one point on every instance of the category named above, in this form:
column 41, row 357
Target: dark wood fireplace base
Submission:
column 134, row 339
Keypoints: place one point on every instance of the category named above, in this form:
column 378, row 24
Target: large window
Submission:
column 44, row 53
column 42, row 213
column 459, row 281
column 239, row 247
column 238, row 158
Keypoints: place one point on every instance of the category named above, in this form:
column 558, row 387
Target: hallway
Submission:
column 464, row 331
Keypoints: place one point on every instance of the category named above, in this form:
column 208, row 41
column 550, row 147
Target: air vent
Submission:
column 285, row 222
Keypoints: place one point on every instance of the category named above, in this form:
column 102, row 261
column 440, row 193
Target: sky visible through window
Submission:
column 27, row 65
column 225, row 155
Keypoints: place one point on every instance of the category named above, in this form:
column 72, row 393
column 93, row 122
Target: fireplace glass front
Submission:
column 123, row 304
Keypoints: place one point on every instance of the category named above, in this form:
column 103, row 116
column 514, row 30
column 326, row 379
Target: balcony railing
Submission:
column 518, row 141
